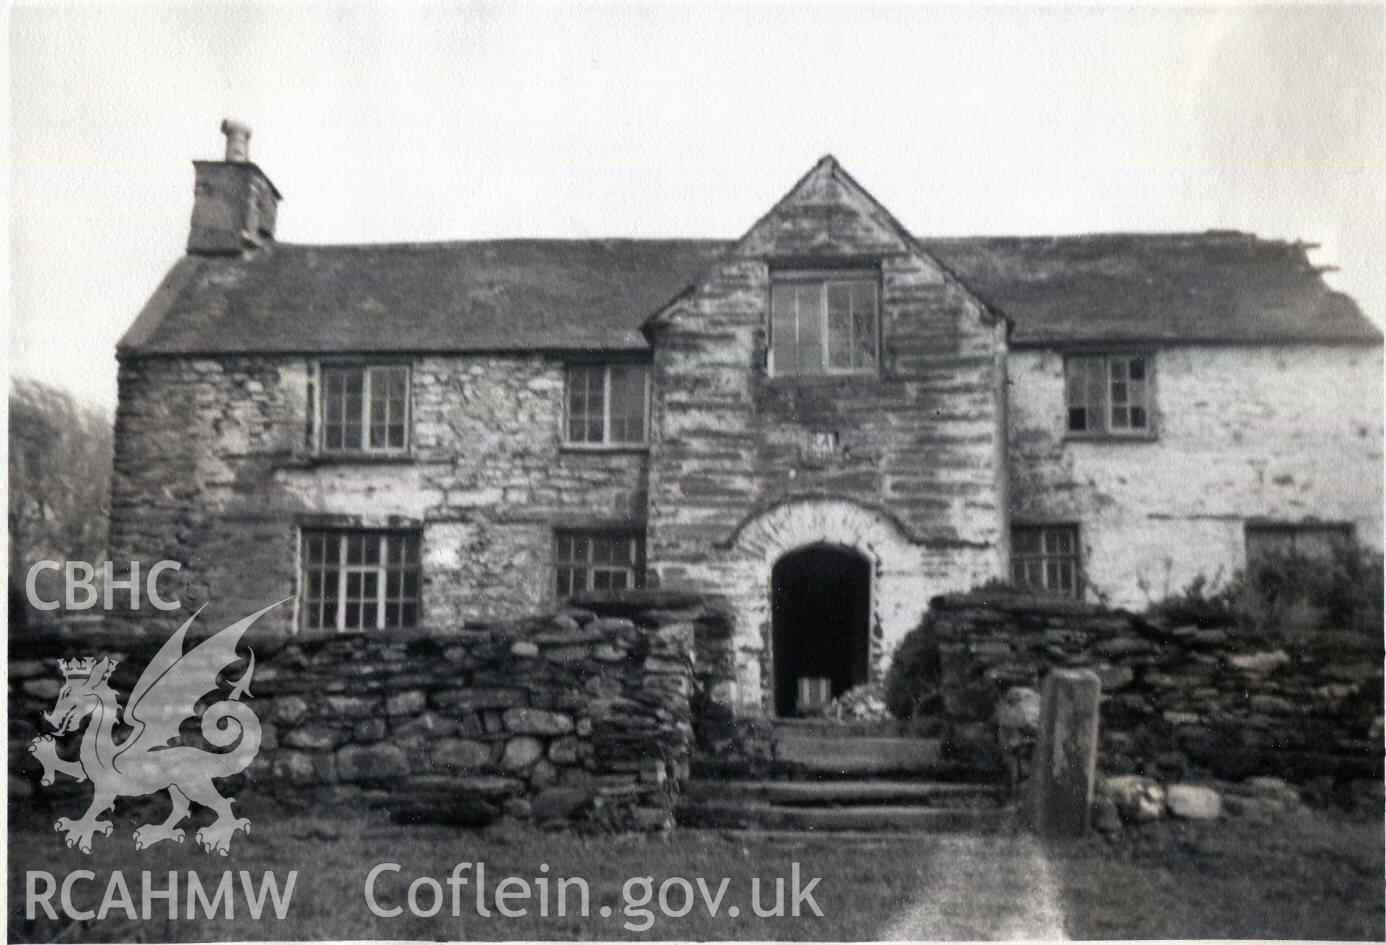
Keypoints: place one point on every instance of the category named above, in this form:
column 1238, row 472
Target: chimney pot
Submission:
column 237, row 140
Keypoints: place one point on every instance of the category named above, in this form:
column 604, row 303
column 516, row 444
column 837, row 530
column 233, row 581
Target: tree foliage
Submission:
column 60, row 475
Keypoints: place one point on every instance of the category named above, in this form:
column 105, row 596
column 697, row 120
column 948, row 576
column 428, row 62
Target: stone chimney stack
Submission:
column 237, row 141
column 234, row 202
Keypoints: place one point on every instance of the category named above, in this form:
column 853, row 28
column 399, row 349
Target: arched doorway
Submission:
column 820, row 621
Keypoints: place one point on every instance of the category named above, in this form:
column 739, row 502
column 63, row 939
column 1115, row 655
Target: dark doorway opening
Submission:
column 821, row 613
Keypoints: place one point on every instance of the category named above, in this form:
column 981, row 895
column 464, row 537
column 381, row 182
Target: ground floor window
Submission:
column 1313, row 540
column 1045, row 558
column 598, row 561
column 355, row 580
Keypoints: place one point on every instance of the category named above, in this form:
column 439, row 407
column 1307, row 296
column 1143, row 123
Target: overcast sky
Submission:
column 411, row 123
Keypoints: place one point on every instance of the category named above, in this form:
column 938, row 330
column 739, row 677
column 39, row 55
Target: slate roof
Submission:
column 1216, row 287
column 505, row 295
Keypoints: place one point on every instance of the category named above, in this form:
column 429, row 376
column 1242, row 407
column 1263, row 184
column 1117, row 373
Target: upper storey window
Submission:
column 824, row 323
column 1109, row 394
column 365, row 408
column 607, row 405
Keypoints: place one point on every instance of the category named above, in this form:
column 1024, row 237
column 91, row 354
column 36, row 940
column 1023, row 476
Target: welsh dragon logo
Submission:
column 167, row 694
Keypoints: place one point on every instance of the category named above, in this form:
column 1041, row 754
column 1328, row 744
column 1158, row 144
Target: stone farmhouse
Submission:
column 828, row 420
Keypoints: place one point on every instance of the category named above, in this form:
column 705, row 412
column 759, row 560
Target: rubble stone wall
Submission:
column 216, row 468
column 1221, row 701
column 584, row 715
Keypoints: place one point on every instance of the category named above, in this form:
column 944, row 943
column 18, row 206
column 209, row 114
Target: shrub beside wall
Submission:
column 1176, row 699
column 1285, row 589
column 583, row 715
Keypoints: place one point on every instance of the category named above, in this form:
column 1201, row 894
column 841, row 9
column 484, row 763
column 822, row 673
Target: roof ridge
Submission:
column 1153, row 236
column 419, row 245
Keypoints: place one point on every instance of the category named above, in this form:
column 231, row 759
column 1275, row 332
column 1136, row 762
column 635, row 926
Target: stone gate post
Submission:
column 1066, row 755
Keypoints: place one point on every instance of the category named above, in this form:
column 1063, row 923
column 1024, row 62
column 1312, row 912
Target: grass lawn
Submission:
column 334, row 854
column 1307, row 876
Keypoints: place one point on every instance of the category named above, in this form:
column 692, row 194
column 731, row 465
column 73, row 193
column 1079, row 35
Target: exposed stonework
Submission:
column 581, row 716
column 920, row 440
column 235, row 208
column 1065, row 761
column 215, row 470
column 1174, row 699
column 904, row 574
column 912, row 467
column 1289, row 433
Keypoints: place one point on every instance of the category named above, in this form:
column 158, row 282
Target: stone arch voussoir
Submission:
column 898, row 591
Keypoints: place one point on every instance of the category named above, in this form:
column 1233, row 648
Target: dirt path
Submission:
column 983, row 888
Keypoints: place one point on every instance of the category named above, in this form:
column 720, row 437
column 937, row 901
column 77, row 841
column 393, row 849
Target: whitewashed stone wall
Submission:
column 1288, row 433
column 902, row 580
column 916, row 482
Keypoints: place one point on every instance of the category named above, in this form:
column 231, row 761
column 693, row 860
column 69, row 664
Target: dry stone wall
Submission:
column 1176, row 700
column 584, row 715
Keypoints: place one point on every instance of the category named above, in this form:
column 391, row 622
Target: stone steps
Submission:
column 794, row 838
column 805, row 752
column 868, row 818
column 846, row 727
column 845, row 793
column 829, row 778
column 856, row 755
